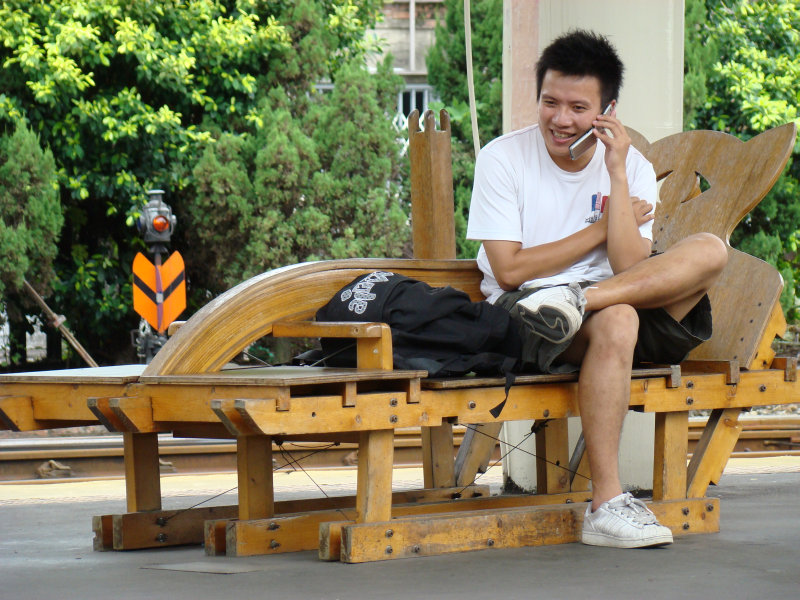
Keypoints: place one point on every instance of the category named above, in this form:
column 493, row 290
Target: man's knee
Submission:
column 712, row 250
column 616, row 328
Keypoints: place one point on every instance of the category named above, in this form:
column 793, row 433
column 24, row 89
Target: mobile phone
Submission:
column 587, row 140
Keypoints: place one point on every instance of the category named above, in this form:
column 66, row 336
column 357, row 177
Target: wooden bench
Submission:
column 187, row 390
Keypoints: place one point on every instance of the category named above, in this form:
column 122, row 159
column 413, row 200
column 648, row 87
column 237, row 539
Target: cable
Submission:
column 470, row 79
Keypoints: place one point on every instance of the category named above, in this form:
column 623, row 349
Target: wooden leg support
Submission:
column 142, row 475
column 552, row 452
column 438, row 456
column 671, row 446
column 408, row 537
column 254, row 469
column 713, row 450
column 477, row 447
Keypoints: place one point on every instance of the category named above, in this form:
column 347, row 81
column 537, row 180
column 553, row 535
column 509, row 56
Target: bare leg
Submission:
column 674, row 280
column 605, row 346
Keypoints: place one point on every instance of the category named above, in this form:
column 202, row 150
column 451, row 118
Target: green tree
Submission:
column 446, row 62
column 130, row 96
column 30, row 223
column 751, row 87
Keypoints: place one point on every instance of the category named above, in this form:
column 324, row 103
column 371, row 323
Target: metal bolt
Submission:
column 685, row 510
column 685, row 526
column 490, row 542
column 274, row 544
column 546, row 413
column 161, row 538
column 690, row 384
column 389, row 533
column 273, row 526
column 690, row 400
column 710, row 507
column 393, row 402
column 161, row 521
column 472, row 404
column 393, row 419
column 762, row 388
column 389, row 550
column 415, row 548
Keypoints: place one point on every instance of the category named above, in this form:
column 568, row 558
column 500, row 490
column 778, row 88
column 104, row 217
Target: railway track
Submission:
column 102, row 456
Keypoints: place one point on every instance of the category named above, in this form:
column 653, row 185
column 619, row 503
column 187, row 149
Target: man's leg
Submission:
column 674, row 280
column 604, row 349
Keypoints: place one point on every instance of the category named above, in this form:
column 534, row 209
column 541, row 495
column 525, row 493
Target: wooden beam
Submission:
column 407, row 537
column 254, row 470
column 438, row 458
column 16, row 413
column 552, row 457
column 671, row 445
column 374, row 484
column 142, row 473
column 713, row 450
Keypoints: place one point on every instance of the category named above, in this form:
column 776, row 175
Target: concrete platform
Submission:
column 46, row 551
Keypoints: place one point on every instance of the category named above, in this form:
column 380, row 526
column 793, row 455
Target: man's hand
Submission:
column 642, row 212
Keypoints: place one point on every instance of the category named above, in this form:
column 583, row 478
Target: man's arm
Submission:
column 625, row 244
column 512, row 265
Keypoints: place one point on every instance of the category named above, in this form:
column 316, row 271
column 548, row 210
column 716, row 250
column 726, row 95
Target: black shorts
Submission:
column 661, row 339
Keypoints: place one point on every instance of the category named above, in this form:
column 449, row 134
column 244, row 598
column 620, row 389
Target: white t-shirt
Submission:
column 520, row 195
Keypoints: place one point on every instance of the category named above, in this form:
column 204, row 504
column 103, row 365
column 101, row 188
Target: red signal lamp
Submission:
column 161, row 223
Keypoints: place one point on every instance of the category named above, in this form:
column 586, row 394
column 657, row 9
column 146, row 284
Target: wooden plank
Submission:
column 552, row 457
column 788, row 364
column 475, row 451
column 102, row 526
column 671, row 445
column 135, row 531
column 16, row 413
column 334, row 329
column 774, row 327
column 374, row 483
column 142, row 474
column 152, row 529
column 432, row 224
column 713, row 450
column 438, row 457
column 135, row 413
column 115, row 375
column 730, row 368
column 283, row 376
column 471, row 382
column 254, row 471
column 101, row 408
column 512, row 528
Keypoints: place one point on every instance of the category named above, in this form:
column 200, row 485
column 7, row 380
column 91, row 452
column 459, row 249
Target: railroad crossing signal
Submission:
column 159, row 291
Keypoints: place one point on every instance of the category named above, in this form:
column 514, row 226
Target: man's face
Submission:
column 567, row 107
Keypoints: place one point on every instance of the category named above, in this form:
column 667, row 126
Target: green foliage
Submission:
column 751, row 87
column 132, row 95
column 30, row 212
column 446, row 63
column 311, row 182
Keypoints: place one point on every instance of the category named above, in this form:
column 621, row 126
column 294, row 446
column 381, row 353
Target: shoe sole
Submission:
column 547, row 321
column 608, row 541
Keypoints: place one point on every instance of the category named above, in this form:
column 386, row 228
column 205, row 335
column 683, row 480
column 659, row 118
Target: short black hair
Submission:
column 580, row 53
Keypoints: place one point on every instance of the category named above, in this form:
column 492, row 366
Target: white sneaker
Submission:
column 623, row 522
column 555, row 313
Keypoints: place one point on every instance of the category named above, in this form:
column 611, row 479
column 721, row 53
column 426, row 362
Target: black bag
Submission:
column 439, row 330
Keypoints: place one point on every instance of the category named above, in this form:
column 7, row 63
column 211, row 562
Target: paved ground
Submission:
column 46, row 551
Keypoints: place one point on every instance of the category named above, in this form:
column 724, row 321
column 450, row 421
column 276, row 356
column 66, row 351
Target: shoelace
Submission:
column 635, row 510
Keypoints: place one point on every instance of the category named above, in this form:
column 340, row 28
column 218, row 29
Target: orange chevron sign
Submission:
column 159, row 291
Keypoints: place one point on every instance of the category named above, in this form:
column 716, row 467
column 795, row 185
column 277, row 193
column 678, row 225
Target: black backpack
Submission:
column 439, row 330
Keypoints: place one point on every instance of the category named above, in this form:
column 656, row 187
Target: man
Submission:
column 566, row 248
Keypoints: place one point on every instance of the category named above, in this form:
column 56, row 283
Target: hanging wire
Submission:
column 470, row 79
column 534, row 429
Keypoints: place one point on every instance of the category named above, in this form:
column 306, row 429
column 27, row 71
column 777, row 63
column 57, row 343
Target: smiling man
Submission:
column 566, row 248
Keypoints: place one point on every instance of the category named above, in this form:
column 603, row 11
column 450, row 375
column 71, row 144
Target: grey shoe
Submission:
column 555, row 313
column 623, row 522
